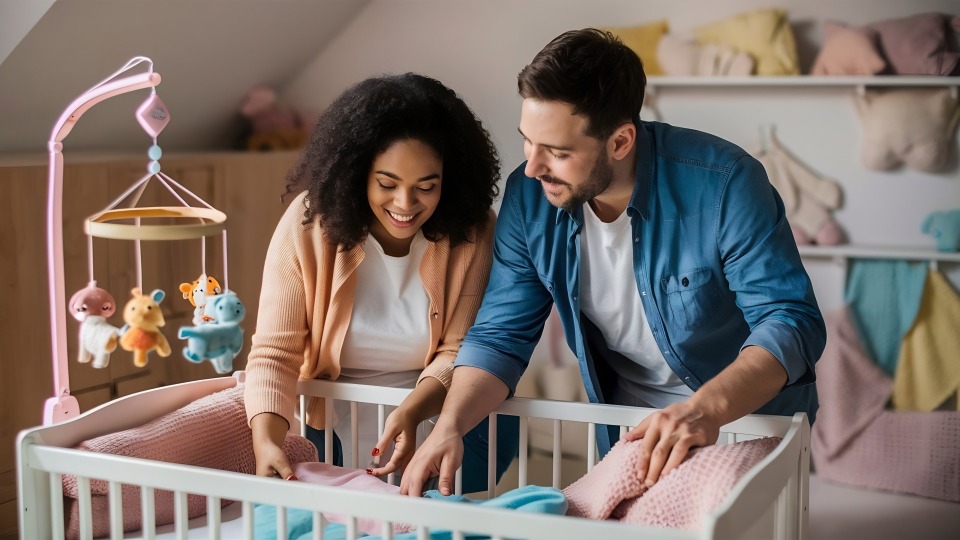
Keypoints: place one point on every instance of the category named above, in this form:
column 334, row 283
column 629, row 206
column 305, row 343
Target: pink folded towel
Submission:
column 679, row 500
column 355, row 479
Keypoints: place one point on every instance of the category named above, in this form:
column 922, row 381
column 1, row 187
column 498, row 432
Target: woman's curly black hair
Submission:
column 362, row 123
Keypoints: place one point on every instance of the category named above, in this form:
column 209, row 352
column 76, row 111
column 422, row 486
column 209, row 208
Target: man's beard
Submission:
column 600, row 178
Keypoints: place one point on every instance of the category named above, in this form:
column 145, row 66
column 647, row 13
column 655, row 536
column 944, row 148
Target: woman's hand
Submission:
column 400, row 427
column 269, row 432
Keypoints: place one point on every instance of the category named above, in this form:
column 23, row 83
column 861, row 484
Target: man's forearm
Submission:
column 473, row 394
column 753, row 379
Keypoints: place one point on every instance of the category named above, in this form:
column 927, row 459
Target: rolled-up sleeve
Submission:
column 763, row 267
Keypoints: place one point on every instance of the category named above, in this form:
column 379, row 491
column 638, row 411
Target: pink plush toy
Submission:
column 273, row 126
column 92, row 306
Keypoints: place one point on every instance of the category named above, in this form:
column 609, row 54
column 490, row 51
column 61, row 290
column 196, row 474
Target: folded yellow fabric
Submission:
column 643, row 39
column 928, row 372
column 765, row 34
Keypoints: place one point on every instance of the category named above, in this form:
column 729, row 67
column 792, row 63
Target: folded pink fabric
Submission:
column 697, row 487
column 209, row 432
column 679, row 500
column 349, row 478
column 856, row 441
column 845, row 413
column 611, row 481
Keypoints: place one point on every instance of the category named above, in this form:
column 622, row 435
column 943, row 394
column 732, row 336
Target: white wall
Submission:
column 477, row 47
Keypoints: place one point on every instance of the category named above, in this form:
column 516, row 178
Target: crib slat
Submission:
column 354, row 435
column 591, row 445
column 319, row 523
column 303, row 415
column 56, row 506
column 458, row 482
column 328, row 431
column 148, row 513
column 386, row 530
column 423, row 533
column 458, row 535
column 557, row 435
column 524, row 443
column 247, row 511
column 86, row 508
column 281, row 522
column 352, row 528
column 116, row 510
column 213, row 517
column 180, row 514
column 492, row 458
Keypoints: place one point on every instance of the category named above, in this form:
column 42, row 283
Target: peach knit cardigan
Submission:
column 307, row 299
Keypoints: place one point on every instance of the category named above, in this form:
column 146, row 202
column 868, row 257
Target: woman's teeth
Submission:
column 400, row 218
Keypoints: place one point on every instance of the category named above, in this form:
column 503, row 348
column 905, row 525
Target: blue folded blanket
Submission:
column 544, row 500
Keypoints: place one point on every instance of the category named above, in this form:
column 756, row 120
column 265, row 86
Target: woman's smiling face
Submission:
column 403, row 189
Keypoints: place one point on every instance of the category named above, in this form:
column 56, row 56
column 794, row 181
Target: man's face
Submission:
column 572, row 167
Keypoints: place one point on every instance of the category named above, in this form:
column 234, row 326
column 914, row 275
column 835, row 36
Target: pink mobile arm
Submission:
column 63, row 406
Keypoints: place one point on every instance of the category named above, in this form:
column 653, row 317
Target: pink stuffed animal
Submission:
column 273, row 126
column 92, row 306
column 143, row 314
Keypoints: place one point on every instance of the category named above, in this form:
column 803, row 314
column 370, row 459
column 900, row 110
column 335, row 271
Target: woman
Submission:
column 376, row 271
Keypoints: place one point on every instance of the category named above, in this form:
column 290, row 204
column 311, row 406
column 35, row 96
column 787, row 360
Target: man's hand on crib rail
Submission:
column 743, row 387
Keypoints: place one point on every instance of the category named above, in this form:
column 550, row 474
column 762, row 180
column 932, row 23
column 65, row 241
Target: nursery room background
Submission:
column 859, row 139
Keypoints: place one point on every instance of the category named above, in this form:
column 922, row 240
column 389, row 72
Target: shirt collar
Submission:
column 640, row 198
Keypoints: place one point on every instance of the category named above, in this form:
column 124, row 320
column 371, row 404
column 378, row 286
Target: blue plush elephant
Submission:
column 220, row 340
column 944, row 226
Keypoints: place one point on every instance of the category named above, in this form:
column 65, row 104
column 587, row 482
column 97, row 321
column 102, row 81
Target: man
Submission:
column 667, row 254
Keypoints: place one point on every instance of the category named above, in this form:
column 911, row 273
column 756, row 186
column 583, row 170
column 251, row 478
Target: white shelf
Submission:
column 877, row 252
column 816, row 81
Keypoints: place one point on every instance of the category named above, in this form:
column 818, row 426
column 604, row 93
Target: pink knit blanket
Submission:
column 209, row 432
column 856, row 440
column 679, row 500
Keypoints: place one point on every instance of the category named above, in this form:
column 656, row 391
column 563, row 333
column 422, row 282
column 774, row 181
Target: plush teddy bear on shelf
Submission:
column 220, row 340
column 272, row 124
column 92, row 306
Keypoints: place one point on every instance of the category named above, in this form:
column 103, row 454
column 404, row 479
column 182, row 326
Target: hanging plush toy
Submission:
column 98, row 338
column 142, row 314
column 220, row 340
column 198, row 293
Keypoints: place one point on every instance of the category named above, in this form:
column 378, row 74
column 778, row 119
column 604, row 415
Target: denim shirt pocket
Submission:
column 692, row 296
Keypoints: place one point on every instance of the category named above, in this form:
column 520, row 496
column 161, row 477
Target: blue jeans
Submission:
column 475, row 445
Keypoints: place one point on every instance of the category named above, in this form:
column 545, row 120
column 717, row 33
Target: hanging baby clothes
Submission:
column 928, row 370
column 807, row 197
column 884, row 297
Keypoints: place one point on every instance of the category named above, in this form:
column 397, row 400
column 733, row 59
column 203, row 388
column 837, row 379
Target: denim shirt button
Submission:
column 637, row 239
column 685, row 282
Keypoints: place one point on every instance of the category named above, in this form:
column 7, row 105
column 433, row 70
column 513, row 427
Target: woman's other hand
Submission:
column 269, row 432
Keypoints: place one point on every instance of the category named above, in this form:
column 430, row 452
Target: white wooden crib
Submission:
column 770, row 501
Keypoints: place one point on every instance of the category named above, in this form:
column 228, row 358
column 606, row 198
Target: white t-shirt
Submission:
column 611, row 300
column 390, row 328
column 388, row 337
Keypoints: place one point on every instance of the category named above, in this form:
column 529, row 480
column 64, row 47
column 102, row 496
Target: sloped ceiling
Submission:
column 208, row 53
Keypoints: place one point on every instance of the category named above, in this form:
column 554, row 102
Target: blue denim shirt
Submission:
column 716, row 266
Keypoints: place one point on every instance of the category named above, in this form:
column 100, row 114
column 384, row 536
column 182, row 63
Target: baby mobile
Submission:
column 216, row 335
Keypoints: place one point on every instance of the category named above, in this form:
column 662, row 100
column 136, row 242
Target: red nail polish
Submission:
column 376, row 451
column 369, row 471
column 293, row 477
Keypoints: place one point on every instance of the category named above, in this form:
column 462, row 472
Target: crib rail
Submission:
column 42, row 460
